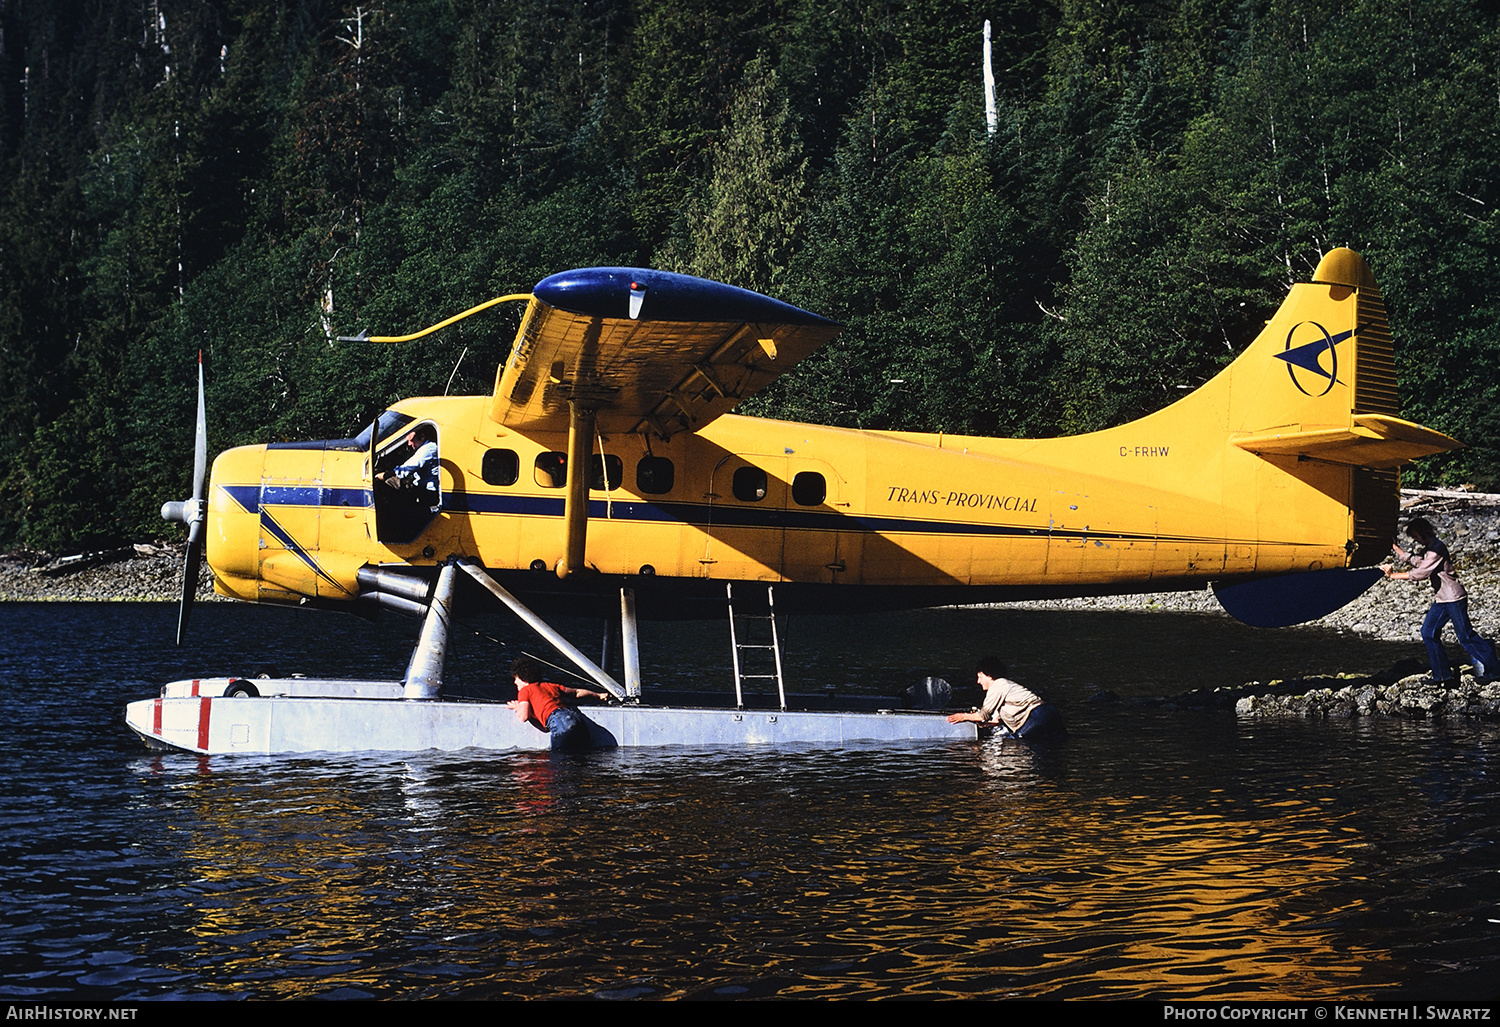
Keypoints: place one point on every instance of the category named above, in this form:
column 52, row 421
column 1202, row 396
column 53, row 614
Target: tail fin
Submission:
column 1316, row 391
column 1319, row 384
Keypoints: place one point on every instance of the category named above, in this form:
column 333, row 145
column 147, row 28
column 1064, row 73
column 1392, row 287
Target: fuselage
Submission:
column 747, row 499
column 1284, row 462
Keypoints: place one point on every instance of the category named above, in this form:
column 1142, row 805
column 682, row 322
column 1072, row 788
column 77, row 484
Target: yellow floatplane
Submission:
column 606, row 462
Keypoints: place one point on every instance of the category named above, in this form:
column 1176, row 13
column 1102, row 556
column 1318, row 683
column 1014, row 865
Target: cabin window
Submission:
column 749, row 484
column 551, row 470
column 500, row 467
column 599, row 466
column 654, row 475
column 809, row 488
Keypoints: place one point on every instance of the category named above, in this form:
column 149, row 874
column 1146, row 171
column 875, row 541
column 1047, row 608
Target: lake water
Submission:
column 1159, row 854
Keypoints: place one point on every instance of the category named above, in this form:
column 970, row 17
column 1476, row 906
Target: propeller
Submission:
column 192, row 512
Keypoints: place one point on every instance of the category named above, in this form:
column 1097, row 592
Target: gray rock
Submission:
column 150, row 572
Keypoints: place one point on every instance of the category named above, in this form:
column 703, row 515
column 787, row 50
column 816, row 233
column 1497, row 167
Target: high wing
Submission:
column 649, row 351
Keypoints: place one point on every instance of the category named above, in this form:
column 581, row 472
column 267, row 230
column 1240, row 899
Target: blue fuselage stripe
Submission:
column 253, row 498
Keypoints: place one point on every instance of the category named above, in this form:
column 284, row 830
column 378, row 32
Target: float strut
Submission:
column 541, row 627
column 424, row 674
column 630, row 643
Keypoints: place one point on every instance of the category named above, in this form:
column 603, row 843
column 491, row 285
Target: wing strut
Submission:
column 576, row 503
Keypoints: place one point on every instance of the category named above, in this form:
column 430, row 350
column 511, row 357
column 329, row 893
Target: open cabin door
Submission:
column 406, row 483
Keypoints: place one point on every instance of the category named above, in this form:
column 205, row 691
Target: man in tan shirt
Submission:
column 1006, row 703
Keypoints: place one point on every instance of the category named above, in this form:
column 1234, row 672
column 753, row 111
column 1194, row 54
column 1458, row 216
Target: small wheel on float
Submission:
column 241, row 689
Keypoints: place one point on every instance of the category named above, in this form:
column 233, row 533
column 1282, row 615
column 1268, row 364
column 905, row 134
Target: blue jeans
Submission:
column 1044, row 720
column 1481, row 652
column 569, row 731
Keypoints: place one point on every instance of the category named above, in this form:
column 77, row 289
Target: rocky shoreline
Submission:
column 1412, row 696
column 1405, row 690
column 144, row 572
column 1391, row 610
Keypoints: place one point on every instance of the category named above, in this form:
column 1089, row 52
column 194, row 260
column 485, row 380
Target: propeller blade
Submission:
column 192, row 512
column 200, row 441
column 190, row 564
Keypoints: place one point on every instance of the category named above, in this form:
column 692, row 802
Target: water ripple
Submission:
column 1155, row 855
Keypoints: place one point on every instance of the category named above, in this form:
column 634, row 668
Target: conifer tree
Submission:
column 747, row 227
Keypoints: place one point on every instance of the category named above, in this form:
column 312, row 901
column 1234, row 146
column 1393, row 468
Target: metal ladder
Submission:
column 736, row 647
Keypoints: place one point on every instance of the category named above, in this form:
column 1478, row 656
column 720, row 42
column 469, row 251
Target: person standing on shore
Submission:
column 1449, row 603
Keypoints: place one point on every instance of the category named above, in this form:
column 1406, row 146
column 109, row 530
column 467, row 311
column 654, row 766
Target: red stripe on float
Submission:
column 194, row 689
column 156, row 718
column 203, row 705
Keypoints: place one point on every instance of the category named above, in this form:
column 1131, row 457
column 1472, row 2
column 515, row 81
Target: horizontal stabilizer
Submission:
column 1377, row 441
column 1294, row 598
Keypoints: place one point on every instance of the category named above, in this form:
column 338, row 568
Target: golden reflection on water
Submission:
column 1162, row 853
column 818, row 874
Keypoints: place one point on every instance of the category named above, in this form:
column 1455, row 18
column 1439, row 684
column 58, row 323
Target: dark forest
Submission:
column 251, row 179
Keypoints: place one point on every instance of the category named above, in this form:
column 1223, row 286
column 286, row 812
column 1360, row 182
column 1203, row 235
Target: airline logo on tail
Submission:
column 1309, row 356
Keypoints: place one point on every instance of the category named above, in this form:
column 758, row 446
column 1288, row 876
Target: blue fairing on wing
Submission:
column 1294, row 598
column 605, row 292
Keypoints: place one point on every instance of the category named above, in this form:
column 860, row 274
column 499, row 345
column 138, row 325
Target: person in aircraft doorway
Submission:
column 1449, row 603
column 419, row 470
column 542, row 704
column 1013, row 706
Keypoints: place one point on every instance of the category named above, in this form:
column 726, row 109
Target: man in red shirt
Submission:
column 542, row 704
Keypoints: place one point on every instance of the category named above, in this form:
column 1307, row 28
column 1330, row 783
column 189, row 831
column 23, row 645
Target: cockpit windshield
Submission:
column 389, row 423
